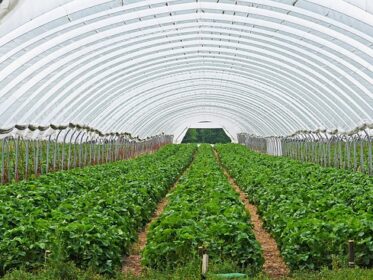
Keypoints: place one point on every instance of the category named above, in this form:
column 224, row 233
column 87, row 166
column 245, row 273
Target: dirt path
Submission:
column 274, row 265
column 132, row 263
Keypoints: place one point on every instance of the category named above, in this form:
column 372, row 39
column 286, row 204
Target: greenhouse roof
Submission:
column 261, row 66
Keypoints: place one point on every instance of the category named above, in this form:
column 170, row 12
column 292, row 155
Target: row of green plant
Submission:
column 203, row 211
column 311, row 211
column 45, row 193
column 89, row 216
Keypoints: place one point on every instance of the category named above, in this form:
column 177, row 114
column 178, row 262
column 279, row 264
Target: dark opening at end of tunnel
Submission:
column 206, row 135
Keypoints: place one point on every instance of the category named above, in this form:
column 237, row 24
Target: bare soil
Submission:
column 274, row 265
column 132, row 263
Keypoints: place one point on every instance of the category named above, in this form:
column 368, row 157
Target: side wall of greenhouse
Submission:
column 30, row 151
column 347, row 150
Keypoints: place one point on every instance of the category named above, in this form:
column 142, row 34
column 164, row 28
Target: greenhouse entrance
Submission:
column 206, row 135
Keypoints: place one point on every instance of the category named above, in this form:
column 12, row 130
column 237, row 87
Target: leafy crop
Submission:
column 312, row 211
column 90, row 215
column 203, row 210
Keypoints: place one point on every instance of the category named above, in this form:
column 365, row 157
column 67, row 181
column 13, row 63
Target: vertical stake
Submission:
column 205, row 262
column 351, row 253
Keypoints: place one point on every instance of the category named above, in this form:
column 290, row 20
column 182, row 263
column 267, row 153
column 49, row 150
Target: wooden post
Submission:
column 351, row 253
column 205, row 264
column 205, row 261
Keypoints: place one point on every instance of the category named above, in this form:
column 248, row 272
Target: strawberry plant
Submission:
column 312, row 211
column 90, row 215
column 203, row 210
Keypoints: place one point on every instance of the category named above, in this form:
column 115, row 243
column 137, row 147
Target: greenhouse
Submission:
column 186, row 139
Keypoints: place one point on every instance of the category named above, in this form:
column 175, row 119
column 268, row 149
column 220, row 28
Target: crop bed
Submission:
column 203, row 210
column 311, row 211
column 89, row 216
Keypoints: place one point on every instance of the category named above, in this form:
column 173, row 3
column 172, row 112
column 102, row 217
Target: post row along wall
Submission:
column 28, row 151
column 349, row 150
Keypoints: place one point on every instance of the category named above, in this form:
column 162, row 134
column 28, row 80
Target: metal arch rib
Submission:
column 247, row 109
column 249, row 104
column 361, row 110
column 265, row 77
column 168, row 113
column 62, row 95
column 68, row 10
column 174, row 85
column 351, row 76
column 182, row 119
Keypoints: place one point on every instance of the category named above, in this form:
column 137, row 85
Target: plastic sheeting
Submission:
column 263, row 67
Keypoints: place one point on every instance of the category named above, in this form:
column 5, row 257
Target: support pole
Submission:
column 351, row 253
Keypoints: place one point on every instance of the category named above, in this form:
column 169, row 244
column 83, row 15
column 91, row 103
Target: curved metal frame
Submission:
column 334, row 64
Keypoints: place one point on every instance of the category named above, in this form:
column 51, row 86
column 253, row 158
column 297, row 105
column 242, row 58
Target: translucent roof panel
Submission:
column 268, row 67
